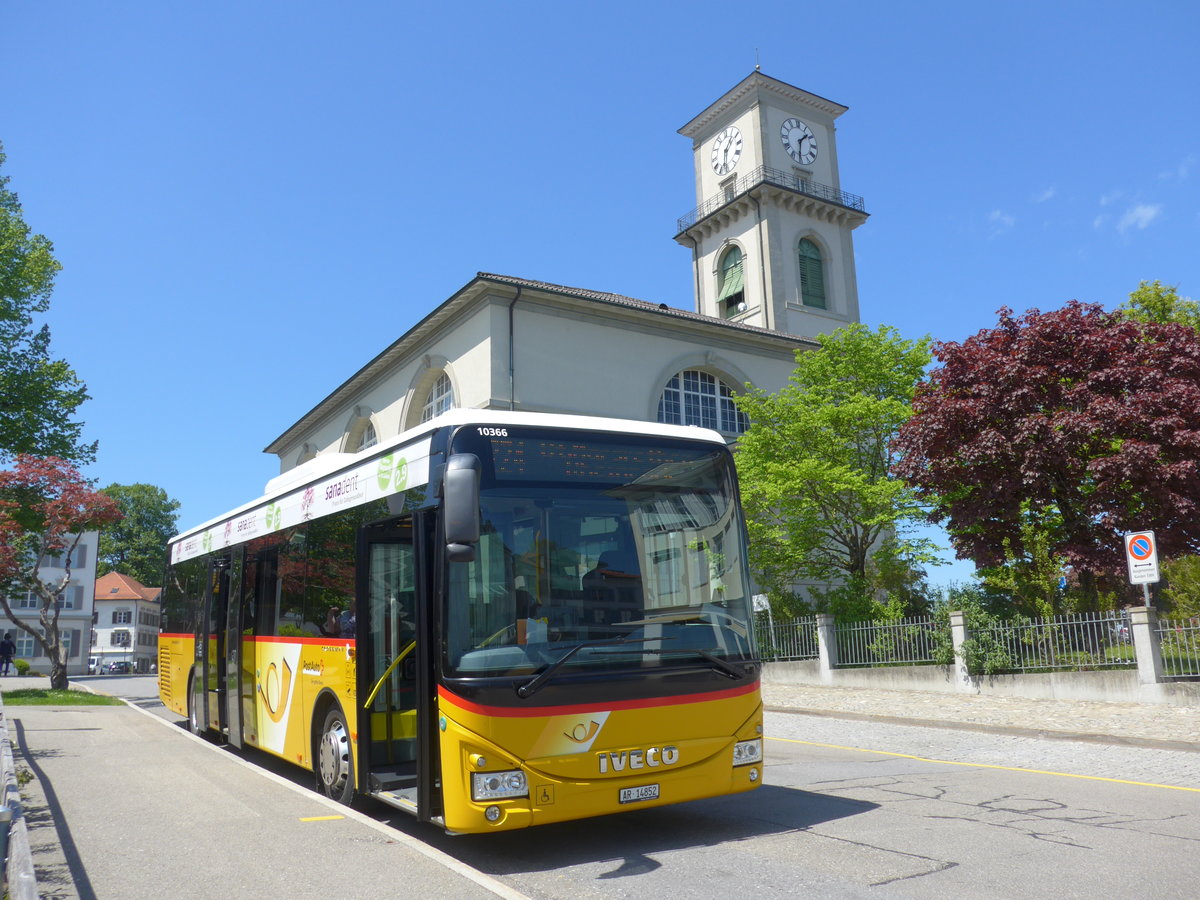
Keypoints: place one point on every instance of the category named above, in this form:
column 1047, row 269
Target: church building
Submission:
column 772, row 267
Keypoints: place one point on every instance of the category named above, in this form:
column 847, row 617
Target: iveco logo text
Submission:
column 650, row 758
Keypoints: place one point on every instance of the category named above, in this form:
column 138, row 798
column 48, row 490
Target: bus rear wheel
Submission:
column 335, row 774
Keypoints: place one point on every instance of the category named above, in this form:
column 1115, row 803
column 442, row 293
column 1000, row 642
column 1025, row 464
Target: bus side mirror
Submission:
column 460, row 506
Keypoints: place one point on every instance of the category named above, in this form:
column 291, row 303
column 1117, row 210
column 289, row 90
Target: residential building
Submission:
column 126, row 624
column 74, row 608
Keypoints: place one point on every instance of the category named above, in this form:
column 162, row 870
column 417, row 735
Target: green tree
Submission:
column 1181, row 593
column 1030, row 572
column 815, row 464
column 38, row 395
column 137, row 544
column 1160, row 304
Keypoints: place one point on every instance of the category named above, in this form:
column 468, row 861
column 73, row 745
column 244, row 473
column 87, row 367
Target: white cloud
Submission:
column 1139, row 216
column 1045, row 195
column 1181, row 171
column 1111, row 197
column 1100, row 221
column 1001, row 221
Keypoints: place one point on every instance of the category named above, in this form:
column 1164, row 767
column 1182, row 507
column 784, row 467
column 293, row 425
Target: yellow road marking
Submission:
column 948, row 762
column 320, row 818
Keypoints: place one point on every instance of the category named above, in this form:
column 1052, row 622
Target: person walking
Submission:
column 7, row 650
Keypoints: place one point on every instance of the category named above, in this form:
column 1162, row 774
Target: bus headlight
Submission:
column 498, row 785
column 747, row 752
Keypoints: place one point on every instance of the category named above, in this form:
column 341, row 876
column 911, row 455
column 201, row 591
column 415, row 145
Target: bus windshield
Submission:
column 599, row 553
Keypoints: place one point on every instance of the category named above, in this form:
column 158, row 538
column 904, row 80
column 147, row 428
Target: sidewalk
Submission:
column 1131, row 724
column 123, row 803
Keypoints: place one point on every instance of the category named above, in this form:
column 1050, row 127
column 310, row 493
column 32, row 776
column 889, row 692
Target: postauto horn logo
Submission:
column 392, row 473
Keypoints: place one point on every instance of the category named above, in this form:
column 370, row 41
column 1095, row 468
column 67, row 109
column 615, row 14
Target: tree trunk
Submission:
column 58, row 674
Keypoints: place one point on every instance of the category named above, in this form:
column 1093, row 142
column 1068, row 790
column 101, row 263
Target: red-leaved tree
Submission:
column 1083, row 421
column 45, row 507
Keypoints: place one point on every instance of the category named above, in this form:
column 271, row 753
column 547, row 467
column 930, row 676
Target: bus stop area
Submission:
column 118, row 802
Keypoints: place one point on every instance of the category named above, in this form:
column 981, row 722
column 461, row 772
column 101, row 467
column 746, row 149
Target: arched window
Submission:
column 697, row 398
column 363, row 436
column 812, row 275
column 439, row 400
column 730, row 283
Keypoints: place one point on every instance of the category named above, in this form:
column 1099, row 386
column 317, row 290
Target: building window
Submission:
column 440, row 399
column 71, row 598
column 119, row 638
column 29, row 601
column 366, row 438
column 731, row 284
column 25, row 647
column 697, row 398
column 361, row 435
column 76, row 559
column 122, row 617
column 812, row 276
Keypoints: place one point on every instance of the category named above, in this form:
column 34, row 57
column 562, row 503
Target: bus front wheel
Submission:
column 194, row 724
column 335, row 774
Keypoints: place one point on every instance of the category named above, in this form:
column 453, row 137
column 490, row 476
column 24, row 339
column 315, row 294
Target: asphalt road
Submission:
column 866, row 809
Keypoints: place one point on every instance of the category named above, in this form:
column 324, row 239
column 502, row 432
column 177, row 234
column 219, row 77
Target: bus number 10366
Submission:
column 493, row 432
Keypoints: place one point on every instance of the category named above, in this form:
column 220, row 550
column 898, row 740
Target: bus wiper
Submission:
column 720, row 665
column 531, row 687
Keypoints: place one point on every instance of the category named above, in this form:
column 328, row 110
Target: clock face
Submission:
column 800, row 142
column 727, row 149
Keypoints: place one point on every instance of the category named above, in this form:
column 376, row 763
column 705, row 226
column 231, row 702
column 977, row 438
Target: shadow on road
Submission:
column 770, row 810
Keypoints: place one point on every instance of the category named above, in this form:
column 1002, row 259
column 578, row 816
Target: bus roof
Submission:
column 332, row 470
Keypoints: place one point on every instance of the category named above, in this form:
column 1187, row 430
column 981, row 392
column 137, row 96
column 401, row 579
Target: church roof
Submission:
column 477, row 288
column 751, row 87
column 634, row 303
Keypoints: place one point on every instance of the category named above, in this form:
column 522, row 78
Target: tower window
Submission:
column 697, row 398
column 440, row 399
column 731, row 284
column 812, row 276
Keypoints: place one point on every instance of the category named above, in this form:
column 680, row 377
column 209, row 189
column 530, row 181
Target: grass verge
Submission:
column 51, row 697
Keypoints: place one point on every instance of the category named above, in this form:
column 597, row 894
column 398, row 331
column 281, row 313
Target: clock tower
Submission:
column 771, row 235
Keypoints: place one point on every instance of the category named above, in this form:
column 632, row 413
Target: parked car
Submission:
column 122, row 667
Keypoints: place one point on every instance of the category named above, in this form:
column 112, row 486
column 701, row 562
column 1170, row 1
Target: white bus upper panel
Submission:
column 387, row 468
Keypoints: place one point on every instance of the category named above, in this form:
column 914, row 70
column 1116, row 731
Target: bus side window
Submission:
column 289, row 586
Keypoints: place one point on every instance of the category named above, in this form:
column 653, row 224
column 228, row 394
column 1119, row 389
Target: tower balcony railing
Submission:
column 777, row 177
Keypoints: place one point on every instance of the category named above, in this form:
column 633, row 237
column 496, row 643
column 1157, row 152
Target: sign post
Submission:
column 1141, row 553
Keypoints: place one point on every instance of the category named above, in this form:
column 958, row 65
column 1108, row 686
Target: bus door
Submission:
column 389, row 663
column 209, row 680
column 232, row 677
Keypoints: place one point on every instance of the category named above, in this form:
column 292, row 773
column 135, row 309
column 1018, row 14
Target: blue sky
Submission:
column 251, row 200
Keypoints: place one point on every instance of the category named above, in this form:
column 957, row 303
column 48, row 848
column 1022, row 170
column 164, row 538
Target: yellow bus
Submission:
column 495, row 620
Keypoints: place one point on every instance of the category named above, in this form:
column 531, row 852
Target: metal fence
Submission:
column 902, row 642
column 1077, row 641
column 1098, row 640
column 778, row 178
column 788, row 640
column 1179, row 642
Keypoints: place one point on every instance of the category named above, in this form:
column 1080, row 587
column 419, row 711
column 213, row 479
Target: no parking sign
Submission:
column 1141, row 552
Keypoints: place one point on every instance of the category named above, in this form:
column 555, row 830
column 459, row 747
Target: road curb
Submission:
column 1014, row 730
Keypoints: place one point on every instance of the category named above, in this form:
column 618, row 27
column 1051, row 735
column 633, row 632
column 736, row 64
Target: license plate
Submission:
column 637, row 794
